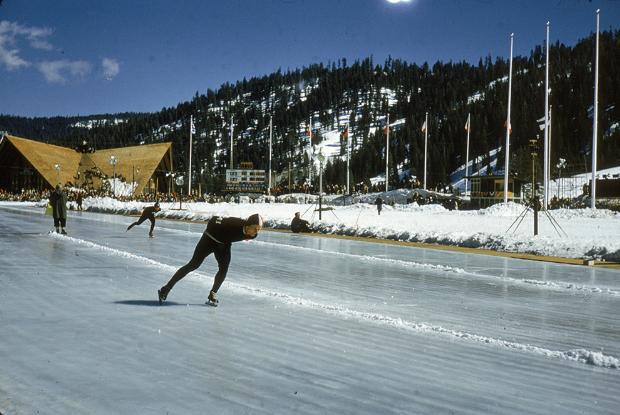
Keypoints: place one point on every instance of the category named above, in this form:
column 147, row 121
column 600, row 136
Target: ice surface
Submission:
column 305, row 325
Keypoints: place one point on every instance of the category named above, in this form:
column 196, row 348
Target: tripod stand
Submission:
column 534, row 204
column 319, row 209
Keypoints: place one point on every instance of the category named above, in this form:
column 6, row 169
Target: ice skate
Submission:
column 212, row 299
column 162, row 294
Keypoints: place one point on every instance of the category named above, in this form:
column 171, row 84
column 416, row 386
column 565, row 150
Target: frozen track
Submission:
column 306, row 325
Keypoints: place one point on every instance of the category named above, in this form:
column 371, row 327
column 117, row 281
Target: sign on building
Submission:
column 245, row 180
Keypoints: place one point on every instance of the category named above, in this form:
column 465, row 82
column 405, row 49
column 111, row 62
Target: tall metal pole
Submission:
column 113, row 161
column 387, row 153
column 231, row 142
column 189, row 170
column 348, row 155
column 57, row 168
column 595, row 122
column 425, row 146
column 320, row 187
column 549, row 154
column 310, row 145
column 546, row 144
column 467, row 152
column 533, row 198
column 270, row 138
column 508, row 127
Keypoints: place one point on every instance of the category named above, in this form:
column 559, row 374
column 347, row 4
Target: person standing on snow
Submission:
column 58, row 201
column 379, row 203
column 147, row 213
column 217, row 239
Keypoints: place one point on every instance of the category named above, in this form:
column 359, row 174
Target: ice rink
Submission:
column 306, row 325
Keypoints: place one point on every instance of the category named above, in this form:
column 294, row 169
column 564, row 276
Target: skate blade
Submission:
column 211, row 303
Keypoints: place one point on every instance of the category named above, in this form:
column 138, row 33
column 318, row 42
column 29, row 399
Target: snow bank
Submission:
column 592, row 234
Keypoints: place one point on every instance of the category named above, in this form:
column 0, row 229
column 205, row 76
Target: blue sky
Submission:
column 80, row 57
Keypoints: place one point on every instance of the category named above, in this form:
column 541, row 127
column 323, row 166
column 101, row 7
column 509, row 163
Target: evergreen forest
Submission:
column 358, row 96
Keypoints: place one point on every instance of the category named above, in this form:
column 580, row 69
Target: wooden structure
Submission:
column 29, row 164
column 489, row 190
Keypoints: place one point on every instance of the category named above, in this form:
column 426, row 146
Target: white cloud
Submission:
column 10, row 58
column 11, row 33
column 111, row 68
column 60, row 71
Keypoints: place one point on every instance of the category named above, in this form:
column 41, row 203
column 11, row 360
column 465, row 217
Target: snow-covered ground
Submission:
column 589, row 233
column 306, row 325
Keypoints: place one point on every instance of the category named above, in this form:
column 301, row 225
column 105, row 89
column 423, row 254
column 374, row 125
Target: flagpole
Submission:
column 467, row 152
column 387, row 152
column 546, row 144
column 310, row 145
column 506, row 164
column 348, row 155
column 425, row 145
column 189, row 172
column 231, row 142
column 595, row 122
column 549, row 153
column 270, row 141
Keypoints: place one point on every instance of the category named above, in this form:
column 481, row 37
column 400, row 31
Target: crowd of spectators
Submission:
column 29, row 195
column 341, row 189
column 79, row 194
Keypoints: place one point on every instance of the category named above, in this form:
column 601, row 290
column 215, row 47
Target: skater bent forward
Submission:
column 217, row 239
column 147, row 213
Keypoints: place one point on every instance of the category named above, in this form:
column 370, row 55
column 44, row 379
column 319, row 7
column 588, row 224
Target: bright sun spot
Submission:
column 398, row 1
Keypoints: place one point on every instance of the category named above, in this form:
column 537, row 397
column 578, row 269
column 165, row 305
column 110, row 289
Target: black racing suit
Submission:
column 217, row 239
column 147, row 213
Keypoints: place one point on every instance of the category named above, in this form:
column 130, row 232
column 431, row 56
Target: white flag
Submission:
column 424, row 126
column 467, row 124
column 192, row 127
column 541, row 122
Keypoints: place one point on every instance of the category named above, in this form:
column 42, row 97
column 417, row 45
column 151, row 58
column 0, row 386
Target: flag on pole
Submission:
column 509, row 127
column 192, row 127
column 467, row 124
column 541, row 122
column 345, row 134
column 424, row 127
